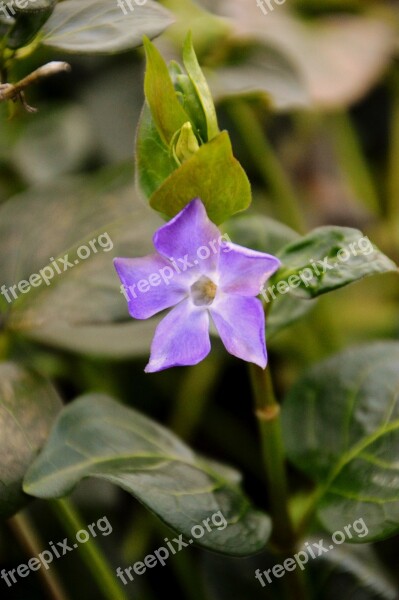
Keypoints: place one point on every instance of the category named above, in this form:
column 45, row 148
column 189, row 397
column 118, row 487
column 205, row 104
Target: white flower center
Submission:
column 203, row 291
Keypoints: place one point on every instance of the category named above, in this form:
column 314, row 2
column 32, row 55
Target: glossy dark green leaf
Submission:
column 341, row 427
column 329, row 258
column 28, row 407
column 97, row 437
column 285, row 311
column 5, row 25
column 28, row 21
column 102, row 27
column 200, row 176
column 167, row 112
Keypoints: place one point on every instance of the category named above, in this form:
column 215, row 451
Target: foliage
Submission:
column 291, row 116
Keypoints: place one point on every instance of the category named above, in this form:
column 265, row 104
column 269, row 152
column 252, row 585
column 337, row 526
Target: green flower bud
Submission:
column 186, row 144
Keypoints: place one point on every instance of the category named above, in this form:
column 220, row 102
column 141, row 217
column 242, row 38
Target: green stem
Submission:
column 352, row 159
column 28, row 539
column 90, row 551
column 268, row 415
column 268, row 165
column 269, row 420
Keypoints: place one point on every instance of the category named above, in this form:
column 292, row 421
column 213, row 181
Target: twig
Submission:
column 15, row 91
column 28, row 538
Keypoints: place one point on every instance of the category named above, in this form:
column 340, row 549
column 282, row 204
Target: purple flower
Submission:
column 202, row 275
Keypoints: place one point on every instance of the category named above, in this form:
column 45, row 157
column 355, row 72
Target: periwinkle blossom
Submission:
column 202, row 275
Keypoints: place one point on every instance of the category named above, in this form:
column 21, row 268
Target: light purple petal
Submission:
column 244, row 271
column 191, row 239
column 181, row 338
column 150, row 284
column 240, row 322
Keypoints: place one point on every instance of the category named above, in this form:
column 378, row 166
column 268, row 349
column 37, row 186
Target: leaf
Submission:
column 260, row 70
column 167, row 112
column 347, row 572
column 285, row 311
column 328, row 258
column 113, row 130
column 173, row 137
column 28, row 22
column 354, row 567
column 101, row 27
column 97, row 437
column 212, row 174
column 199, row 82
column 28, row 407
column 341, row 427
column 33, row 6
column 256, row 231
column 340, row 58
column 209, row 31
column 54, row 143
column 64, row 216
column 188, row 98
column 154, row 161
column 5, row 25
column 267, row 235
column 117, row 341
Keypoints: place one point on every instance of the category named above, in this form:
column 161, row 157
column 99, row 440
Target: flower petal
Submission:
column 150, row 284
column 190, row 238
column 244, row 271
column 240, row 322
column 181, row 338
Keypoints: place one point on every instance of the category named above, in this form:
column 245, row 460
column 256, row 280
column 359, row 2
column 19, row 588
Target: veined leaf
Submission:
column 341, row 427
column 102, row 27
column 329, row 258
column 28, row 407
column 97, row 437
